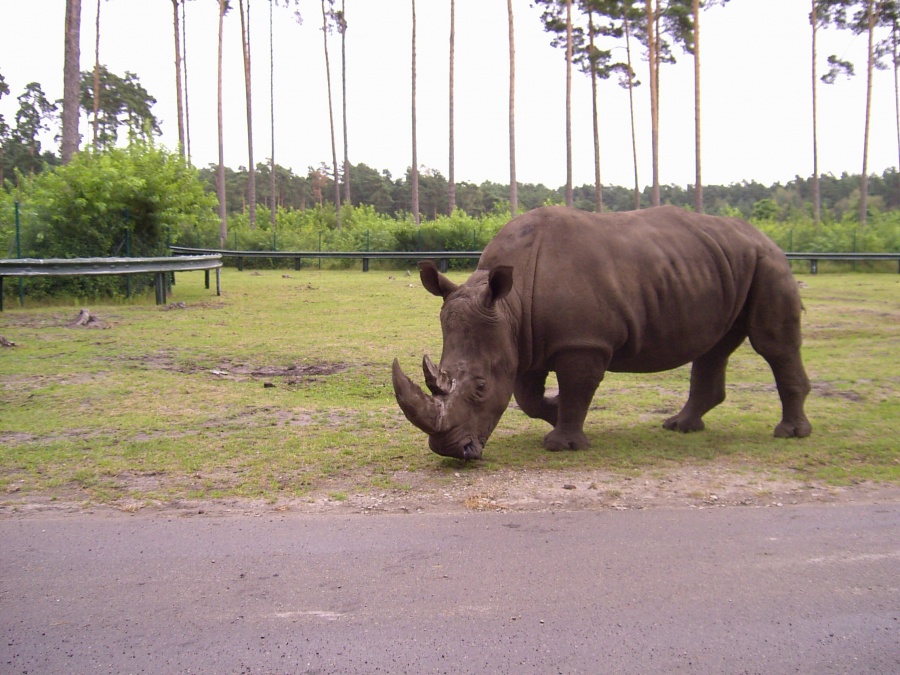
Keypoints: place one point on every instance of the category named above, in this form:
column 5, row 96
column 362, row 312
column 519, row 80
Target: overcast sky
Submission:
column 756, row 108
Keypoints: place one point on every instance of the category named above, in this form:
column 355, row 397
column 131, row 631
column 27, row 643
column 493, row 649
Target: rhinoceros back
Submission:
column 654, row 288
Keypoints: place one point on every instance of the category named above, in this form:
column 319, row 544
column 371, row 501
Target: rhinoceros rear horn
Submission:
column 439, row 383
column 425, row 412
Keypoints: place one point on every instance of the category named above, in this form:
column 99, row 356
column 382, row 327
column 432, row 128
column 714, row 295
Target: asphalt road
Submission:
column 810, row 589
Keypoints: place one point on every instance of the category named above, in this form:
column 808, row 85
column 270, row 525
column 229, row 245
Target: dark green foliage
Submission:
column 115, row 203
column 123, row 103
column 21, row 146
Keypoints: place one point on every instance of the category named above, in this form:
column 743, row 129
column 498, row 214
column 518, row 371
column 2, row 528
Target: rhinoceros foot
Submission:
column 793, row 429
column 566, row 440
column 684, row 423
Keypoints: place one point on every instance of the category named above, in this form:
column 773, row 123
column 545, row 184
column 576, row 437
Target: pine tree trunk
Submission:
column 96, row 124
column 344, row 101
column 451, row 179
column 415, row 160
column 598, row 187
column 337, row 184
column 71, row 81
column 220, row 173
column 187, row 107
column 179, row 101
column 698, row 185
column 273, row 204
column 637, row 186
column 513, row 185
column 816, row 192
column 570, row 199
column 896, row 84
column 653, row 61
column 251, row 166
column 864, row 183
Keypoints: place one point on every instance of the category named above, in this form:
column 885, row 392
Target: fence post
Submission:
column 128, row 255
column 19, row 255
column 366, row 260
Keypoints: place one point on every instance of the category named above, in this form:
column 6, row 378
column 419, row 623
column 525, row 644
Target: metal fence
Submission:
column 443, row 257
column 161, row 268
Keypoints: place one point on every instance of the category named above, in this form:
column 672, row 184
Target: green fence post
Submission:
column 366, row 260
column 19, row 255
column 127, row 255
column 474, row 245
column 320, row 248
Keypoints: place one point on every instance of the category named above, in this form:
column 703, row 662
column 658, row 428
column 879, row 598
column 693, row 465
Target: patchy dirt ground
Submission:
column 505, row 490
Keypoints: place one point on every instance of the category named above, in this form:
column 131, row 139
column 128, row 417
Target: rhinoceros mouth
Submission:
column 468, row 448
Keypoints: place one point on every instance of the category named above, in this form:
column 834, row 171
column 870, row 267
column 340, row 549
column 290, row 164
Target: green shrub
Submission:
column 120, row 202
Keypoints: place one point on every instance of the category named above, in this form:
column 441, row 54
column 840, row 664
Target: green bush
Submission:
column 882, row 233
column 120, row 202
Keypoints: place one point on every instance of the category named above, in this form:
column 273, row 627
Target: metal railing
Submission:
column 443, row 257
column 159, row 267
column 814, row 258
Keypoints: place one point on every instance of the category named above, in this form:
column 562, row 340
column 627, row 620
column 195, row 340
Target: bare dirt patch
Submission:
column 293, row 373
column 228, row 369
column 471, row 490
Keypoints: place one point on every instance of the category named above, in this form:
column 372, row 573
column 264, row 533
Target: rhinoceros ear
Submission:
column 433, row 281
column 499, row 283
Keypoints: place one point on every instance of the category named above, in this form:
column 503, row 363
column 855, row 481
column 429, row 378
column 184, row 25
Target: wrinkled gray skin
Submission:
column 579, row 294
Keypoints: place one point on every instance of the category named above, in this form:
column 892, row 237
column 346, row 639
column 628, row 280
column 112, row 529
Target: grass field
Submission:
column 283, row 383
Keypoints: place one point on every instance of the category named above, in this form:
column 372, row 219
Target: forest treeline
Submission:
column 391, row 196
column 137, row 200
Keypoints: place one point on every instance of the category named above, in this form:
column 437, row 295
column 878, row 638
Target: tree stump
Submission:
column 86, row 320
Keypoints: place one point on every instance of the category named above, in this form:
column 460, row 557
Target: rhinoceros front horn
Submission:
column 425, row 412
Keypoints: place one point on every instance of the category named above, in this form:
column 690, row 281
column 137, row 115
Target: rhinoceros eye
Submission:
column 480, row 387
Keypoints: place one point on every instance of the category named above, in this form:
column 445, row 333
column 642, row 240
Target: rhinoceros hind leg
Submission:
column 707, row 384
column 793, row 386
column 530, row 395
column 774, row 329
column 579, row 372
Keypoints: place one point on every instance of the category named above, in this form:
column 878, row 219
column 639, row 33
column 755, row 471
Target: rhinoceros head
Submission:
column 471, row 387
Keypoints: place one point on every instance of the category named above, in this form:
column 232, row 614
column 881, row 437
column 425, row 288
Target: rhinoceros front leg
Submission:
column 707, row 391
column 578, row 373
column 707, row 383
column 530, row 393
